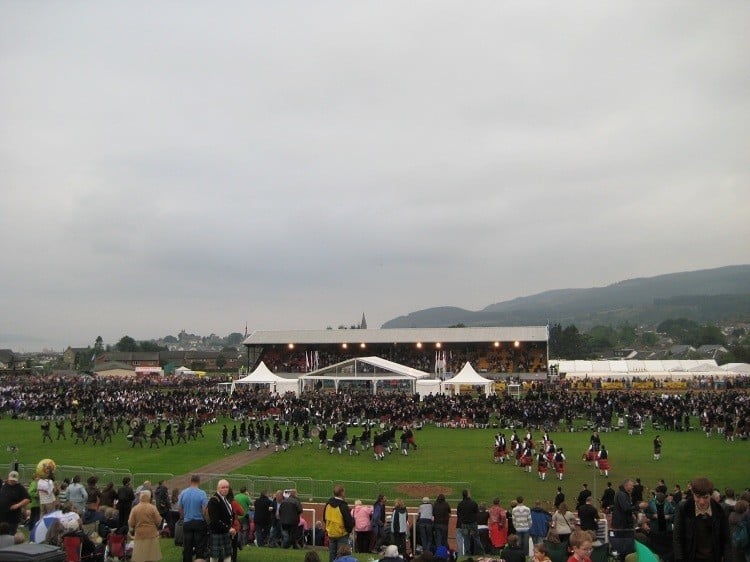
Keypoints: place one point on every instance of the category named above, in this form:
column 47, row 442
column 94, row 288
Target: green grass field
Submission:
column 454, row 457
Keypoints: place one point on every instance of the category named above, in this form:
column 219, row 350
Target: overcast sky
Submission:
column 199, row 165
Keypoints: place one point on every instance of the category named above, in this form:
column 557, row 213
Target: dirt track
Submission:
column 223, row 466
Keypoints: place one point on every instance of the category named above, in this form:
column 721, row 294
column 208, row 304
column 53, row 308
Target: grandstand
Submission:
column 496, row 352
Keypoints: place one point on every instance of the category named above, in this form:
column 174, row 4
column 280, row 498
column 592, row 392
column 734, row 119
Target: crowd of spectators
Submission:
column 505, row 359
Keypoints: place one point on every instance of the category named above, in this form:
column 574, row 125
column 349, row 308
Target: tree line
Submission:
column 570, row 343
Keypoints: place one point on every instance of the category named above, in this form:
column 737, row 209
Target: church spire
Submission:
column 363, row 324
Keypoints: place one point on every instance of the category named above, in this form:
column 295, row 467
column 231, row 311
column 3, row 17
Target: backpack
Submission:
column 741, row 536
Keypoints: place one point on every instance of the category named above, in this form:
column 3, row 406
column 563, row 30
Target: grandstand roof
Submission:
column 398, row 335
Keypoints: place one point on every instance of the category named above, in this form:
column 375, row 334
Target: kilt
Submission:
column 220, row 545
column 603, row 464
column 560, row 467
column 526, row 461
column 542, row 468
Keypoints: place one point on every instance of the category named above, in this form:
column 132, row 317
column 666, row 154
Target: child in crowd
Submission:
column 581, row 544
column 513, row 551
column 541, row 553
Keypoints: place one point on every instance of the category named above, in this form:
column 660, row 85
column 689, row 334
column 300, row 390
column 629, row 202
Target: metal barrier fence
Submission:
column 308, row 489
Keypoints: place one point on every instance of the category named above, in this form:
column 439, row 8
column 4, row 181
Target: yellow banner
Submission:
column 644, row 385
column 675, row 385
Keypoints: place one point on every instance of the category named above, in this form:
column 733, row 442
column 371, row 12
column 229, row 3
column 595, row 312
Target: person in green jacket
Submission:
column 34, row 505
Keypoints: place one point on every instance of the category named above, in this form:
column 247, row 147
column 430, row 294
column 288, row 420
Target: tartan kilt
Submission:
column 603, row 464
column 560, row 467
column 220, row 545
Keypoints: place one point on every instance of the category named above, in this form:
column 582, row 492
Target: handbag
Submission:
column 179, row 532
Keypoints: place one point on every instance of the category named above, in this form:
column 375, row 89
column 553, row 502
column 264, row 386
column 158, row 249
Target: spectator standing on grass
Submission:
column 701, row 528
column 466, row 524
column 338, row 520
column 739, row 515
column 441, row 512
column 540, row 521
column 263, row 517
column 161, row 500
column 608, row 498
column 362, row 525
column 377, row 521
column 289, row 514
column 192, row 503
column 237, row 512
column 34, row 505
column 582, row 495
column 522, row 521
column 498, row 525
column 47, row 500
column 623, row 518
column 244, row 500
column 221, row 523
column 588, row 516
column 399, row 525
column 13, row 499
column 425, row 524
column 125, row 498
column 559, row 497
column 144, row 522
column 563, row 521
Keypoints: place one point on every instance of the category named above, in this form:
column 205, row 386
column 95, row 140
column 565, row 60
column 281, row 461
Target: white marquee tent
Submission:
column 629, row 369
column 468, row 376
column 425, row 387
column 374, row 371
column 262, row 375
column 741, row 368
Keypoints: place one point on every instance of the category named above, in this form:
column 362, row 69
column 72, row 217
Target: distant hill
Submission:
column 708, row 295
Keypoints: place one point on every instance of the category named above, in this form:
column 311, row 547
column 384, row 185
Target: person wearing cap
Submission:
column 13, row 499
column 424, row 524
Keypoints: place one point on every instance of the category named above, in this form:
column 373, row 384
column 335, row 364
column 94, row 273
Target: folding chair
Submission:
column 72, row 548
column 115, row 547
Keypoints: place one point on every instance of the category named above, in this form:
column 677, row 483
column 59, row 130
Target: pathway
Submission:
column 222, row 466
